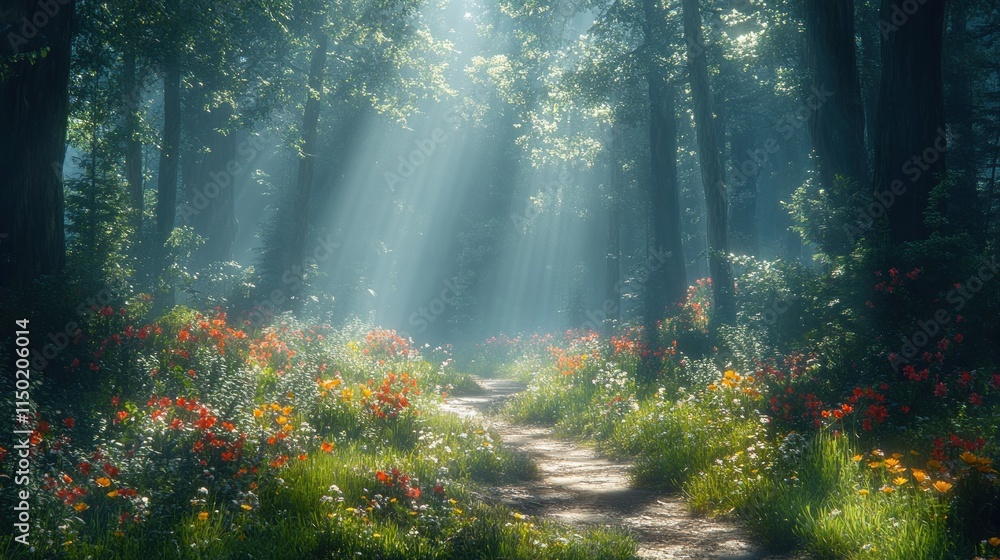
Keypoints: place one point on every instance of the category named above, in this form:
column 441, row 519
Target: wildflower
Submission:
column 103, row 481
column 203, row 516
column 69, row 422
column 887, row 489
column 942, row 486
column 327, row 447
column 863, row 492
column 80, row 506
column 919, row 475
column 899, row 481
column 994, row 541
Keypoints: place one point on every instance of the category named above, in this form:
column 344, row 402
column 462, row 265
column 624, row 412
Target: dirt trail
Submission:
column 578, row 487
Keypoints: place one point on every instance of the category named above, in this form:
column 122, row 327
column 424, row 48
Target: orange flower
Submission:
column 919, row 475
column 994, row 541
column 326, row 446
column 942, row 486
column 80, row 506
column 103, row 482
column 203, row 516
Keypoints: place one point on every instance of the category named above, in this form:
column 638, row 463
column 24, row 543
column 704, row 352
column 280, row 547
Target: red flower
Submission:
column 959, row 338
column 94, row 367
column 110, row 469
column 84, row 467
column 122, row 415
column 940, row 390
column 975, row 399
column 413, row 492
column 69, row 422
column 115, row 400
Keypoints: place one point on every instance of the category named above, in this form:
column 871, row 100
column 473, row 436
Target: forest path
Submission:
column 578, row 487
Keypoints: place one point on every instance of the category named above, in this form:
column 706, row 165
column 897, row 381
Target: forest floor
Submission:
column 576, row 486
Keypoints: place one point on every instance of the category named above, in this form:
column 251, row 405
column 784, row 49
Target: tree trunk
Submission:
column 166, row 188
column 131, row 90
column 34, row 108
column 838, row 122
column 743, row 203
column 910, row 139
column 710, row 161
column 612, row 274
column 667, row 282
column 307, row 161
column 866, row 18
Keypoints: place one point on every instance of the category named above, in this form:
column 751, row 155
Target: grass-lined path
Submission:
column 577, row 486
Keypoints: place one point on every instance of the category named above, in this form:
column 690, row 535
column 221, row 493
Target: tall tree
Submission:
column 307, row 156
column 910, row 143
column 667, row 284
column 837, row 124
column 710, row 161
column 34, row 108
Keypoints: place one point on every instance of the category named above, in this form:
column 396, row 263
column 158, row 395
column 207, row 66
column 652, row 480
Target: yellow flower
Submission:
column 257, row 413
column 863, row 492
column 286, row 411
column 203, row 516
column 246, row 507
column 856, row 458
column 942, row 486
column 887, row 489
column 994, row 541
column 103, row 481
column 287, row 428
column 366, row 392
column 113, row 494
column 713, row 387
column 875, row 464
column 80, row 506
column 969, row 458
column 899, row 481
column 890, row 463
column 281, row 420
column 919, row 475
column 275, row 406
